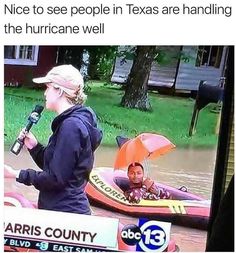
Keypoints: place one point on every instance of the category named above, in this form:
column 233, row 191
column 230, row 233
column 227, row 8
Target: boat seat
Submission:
column 122, row 183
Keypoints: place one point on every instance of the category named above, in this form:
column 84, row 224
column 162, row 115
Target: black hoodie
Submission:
column 66, row 162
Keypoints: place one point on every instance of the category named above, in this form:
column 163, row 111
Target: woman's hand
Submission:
column 29, row 139
column 9, row 172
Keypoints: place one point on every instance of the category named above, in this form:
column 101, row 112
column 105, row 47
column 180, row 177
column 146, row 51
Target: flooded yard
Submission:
column 189, row 167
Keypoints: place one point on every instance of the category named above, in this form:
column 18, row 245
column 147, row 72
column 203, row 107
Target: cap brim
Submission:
column 41, row 80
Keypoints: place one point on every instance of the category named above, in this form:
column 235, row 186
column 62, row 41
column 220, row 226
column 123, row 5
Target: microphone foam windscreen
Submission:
column 38, row 108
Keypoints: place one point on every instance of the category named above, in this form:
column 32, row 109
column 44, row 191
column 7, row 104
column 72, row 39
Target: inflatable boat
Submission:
column 105, row 189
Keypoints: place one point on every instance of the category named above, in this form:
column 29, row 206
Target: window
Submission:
column 21, row 55
column 209, row 56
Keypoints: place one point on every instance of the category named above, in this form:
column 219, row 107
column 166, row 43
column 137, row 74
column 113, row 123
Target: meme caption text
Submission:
column 96, row 13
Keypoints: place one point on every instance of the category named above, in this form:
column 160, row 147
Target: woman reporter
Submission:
column 68, row 158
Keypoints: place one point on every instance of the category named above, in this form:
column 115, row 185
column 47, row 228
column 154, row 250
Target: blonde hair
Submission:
column 79, row 97
column 73, row 96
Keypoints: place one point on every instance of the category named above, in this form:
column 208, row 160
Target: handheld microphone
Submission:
column 32, row 119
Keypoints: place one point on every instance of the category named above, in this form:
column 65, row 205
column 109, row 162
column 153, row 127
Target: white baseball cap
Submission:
column 66, row 77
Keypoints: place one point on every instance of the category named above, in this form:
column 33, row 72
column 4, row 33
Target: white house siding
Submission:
column 160, row 75
column 121, row 71
column 189, row 75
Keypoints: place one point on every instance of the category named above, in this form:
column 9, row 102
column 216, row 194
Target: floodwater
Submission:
column 189, row 167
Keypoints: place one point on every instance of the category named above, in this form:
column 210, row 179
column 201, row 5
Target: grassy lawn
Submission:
column 170, row 117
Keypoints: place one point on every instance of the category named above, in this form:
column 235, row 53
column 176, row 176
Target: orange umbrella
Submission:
column 144, row 146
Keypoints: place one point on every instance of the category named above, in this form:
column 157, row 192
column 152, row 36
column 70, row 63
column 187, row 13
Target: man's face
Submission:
column 135, row 174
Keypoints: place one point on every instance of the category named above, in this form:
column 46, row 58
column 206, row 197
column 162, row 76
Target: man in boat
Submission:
column 140, row 188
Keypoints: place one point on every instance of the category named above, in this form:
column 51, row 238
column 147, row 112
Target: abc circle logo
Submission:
column 149, row 237
column 34, row 117
column 131, row 234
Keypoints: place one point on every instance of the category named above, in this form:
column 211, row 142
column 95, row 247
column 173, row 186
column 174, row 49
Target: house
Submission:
column 194, row 63
column 22, row 63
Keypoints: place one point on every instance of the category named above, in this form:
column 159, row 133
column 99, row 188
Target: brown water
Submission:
column 191, row 168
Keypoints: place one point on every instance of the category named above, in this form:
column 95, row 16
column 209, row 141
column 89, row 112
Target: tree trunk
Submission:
column 136, row 95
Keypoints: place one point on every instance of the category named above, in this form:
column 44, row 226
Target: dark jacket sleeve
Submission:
column 37, row 153
column 61, row 166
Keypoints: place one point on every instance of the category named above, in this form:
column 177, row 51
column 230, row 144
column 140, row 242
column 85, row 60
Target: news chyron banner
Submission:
column 33, row 230
column 56, row 231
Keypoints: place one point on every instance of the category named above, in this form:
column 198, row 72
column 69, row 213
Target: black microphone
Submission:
column 32, row 119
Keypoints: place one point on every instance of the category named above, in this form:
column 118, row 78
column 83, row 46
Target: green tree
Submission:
column 136, row 91
column 70, row 55
column 100, row 63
